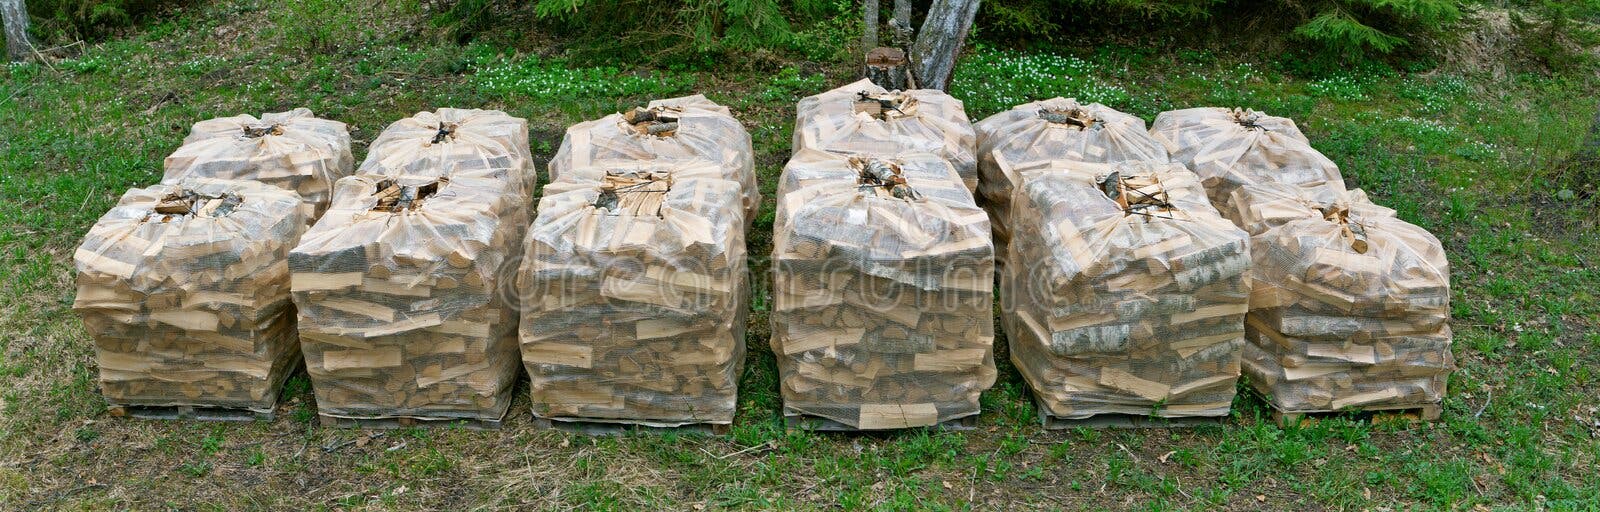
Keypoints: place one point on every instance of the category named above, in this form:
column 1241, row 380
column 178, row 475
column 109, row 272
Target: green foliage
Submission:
column 550, row 80
column 1559, row 33
column 692, row 32
column 1365, row 28
column 61, row 21
column 990, row 81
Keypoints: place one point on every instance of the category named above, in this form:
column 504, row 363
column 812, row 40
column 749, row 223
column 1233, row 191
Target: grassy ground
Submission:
column 1460, row 155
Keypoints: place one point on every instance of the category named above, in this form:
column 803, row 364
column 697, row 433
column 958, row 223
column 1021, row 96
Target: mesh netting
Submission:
column 405, row 287
column 864, row 119
column 1233, row 148
column 636, row 285
column 185, row 289
column 1034, row 134
column 674, row 129
column 883, row 291
column 1135, row 296
column 452, row 140
column 1349, row 305
column 292, row 150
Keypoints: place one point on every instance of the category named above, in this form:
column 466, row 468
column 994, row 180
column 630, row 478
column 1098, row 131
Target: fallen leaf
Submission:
column 1164, row 456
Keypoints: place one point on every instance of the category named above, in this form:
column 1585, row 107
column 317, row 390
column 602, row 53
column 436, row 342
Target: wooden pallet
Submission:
column 189, row 412
column 609, row 428
column 402, row 422
column 820, row 424
column 1114, row 420
column 1376, row 414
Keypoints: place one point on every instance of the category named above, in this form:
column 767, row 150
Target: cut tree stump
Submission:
column 889, row 69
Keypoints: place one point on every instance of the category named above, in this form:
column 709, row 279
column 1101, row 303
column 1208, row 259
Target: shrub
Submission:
column 1558, row 32
column 60, row 21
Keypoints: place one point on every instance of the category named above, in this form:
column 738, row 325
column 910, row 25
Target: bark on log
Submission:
column 15, row 16
column 900, row 24
column 940, row 40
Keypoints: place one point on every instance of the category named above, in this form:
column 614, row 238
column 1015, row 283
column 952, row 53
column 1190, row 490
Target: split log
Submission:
column 185, row 289
column 1134, row 298
column 292, row 150
column 404, row 295
column 1037, row 133
column 883, row 291
column 864, row 119
column 452, row 140
column 675, row 129
column 637, row 292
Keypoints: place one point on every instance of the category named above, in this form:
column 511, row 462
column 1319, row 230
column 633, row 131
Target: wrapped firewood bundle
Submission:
column 687, row 128
column 405, row 295
column 1134, row 298
column 185, row 289
column 292, row 150
column 636, row 295
column 1233, row 148
column 883, row 291
column 1350, row 308
column 864, row 119
column 453, row 140
column 1035, row 134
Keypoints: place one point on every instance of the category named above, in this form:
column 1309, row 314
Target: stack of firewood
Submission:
column 453, row 140
column 1034, row 135
column 864, row 119
column 1134, row 298
column 404, row 287
column 882, row 290
column 674, row 129
column 292, row 150
column 1349, row 306
column 185, row 289
column 636, row 295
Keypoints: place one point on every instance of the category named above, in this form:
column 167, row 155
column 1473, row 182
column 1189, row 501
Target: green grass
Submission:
column 1465, row 156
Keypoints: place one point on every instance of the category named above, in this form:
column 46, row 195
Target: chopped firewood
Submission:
column 403, row 286
column 1033, row 135
column 185, row 289
column 1134, row 298
column 883, row 291
column 866, row 120
column 668, row 130
column 638, row 292
column 292, row 150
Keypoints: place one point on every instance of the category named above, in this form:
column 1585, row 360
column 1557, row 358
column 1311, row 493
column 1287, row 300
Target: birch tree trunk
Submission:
column 15, row 16
column 869, row 36
column 940, row 40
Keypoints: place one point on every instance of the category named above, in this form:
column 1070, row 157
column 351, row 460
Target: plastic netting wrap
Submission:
column 1350, row 305
column 185, row 289
column 453, row 140
column 1032, row 135
column 405, row 295
column 687, row 128
column 636, row 295
column 864, row 119
column 1134, row 298
column 1233, row 148
column 292, row 150
column 883, row 291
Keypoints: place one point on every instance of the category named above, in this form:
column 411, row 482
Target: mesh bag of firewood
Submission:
column 883, row 291
column 1135, row 295
column 1038, row 133
column 1350, row 308
column 185, row 289
column 292, row 150
column 864, row 119
column 453, row 140
column 636, row 295
column 405, row 295
column 691, row 127
column 1233, row 148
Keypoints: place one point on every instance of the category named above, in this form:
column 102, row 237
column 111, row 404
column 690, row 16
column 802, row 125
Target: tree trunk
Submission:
column 869, row 36
column 940, row 40
column 900, row 24
column 15, row 16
